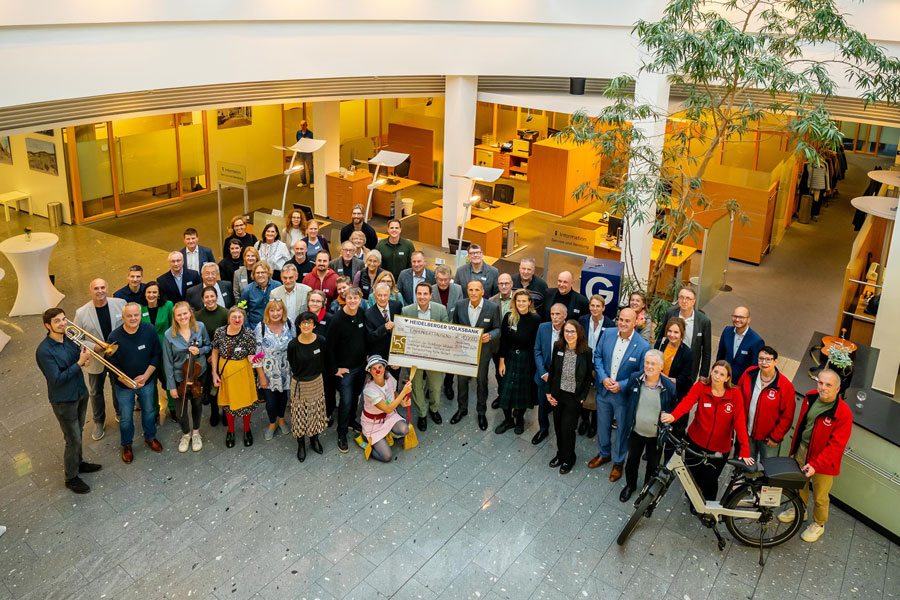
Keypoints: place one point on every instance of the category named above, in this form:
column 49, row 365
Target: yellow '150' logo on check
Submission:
column 398, row 344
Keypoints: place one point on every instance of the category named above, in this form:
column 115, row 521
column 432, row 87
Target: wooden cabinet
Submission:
column 419, row 144
column 345, row 192
column 555, row 171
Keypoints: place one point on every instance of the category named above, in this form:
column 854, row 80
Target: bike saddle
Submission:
column 739, row 464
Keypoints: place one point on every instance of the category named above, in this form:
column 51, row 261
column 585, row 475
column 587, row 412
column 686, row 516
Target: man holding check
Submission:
column 427, row 310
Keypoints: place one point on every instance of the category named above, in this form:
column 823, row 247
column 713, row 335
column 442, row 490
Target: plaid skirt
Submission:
column 308, row 408
column 516, row 390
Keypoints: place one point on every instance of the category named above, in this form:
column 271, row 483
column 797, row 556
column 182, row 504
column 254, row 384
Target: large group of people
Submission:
column 281, row 323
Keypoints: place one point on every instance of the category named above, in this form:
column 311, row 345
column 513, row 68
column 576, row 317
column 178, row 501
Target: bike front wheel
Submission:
column 768, row 529
column 647, row 501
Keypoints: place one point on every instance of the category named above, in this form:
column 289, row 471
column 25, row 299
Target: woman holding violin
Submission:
column 185, row 348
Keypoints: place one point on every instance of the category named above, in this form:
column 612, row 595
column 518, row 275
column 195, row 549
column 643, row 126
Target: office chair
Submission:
column 504, row 193
column 402, row 170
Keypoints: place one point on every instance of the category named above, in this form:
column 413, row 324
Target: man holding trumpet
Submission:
column 60, row 360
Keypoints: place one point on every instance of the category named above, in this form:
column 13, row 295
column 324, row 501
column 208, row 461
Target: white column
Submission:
column 887, row 323
column 650, row 89
column 326, row 118
column 460, row 101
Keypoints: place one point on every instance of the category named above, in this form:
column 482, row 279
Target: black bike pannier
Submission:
column 783, row 472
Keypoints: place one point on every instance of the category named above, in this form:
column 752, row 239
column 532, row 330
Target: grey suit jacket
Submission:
column 86, row 318
column 453, row 297
column 701, row 345
column 487, row 277
column 405, row 283
column 356, row 266
column 303, row 291
column 438, row 312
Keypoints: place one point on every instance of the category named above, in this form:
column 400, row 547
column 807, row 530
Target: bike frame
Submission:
column 710, row 507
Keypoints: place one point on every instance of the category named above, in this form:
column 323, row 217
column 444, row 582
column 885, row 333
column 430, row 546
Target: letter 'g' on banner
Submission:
column 604, row 277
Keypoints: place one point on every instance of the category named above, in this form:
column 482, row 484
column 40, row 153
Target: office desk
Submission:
column 676, row 266
column 505, row 214
column 345, row 192
column 514, row 164
column 388, row 195
column 484, row 232
column 430, row 223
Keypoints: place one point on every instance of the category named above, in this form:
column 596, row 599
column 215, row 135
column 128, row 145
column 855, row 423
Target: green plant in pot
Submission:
column 839, row 360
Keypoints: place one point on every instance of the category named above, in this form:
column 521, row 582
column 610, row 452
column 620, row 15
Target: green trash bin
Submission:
column 54, row 214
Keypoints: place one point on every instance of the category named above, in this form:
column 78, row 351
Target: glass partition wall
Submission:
column 120, row 167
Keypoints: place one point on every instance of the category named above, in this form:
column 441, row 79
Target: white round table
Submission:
column 30, row 257
column 4, row 339
column 880, row 206
column 892, row 178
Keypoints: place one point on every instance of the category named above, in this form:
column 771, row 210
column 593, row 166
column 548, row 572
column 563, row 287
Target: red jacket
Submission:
column 774, row 409
column 716, row 419
column 830, row 435
column 327, row 285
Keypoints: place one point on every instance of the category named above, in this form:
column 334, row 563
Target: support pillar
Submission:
column 887, row 323
column 460, row 100
column 326, row 118
column 651, row 89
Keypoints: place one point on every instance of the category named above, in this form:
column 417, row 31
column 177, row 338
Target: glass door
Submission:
column 90, row 157
column 192, row 152
column 146, row 162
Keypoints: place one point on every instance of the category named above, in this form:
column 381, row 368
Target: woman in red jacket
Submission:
column 719, row 416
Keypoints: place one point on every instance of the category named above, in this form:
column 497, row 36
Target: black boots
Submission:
column 301, row 449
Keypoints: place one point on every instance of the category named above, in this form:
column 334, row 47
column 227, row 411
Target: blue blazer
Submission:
column 206, row 255
column 169, row 289
column 747, row 354
column 632, row 362
column 668, row 399
column 543, row 352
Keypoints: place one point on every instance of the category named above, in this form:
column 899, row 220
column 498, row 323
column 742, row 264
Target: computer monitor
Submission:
column 453, row 244
column 484, row 192
column 615, row 229
column 307, row 211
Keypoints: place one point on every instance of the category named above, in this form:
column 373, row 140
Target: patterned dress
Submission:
column 237, row 392
column 275, row 360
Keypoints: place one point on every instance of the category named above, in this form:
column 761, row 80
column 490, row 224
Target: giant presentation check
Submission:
column 435, row 346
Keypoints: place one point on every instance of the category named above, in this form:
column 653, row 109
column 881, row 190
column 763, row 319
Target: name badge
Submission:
column 316, row 351
column 401, row 253
column 743, row 352
column 141, row 347
column 559, row 354
column 326, row 290
column 700, row 334
column 632, row 359
column 707, row 405
column 360, row 325
column 513, row 327
column 487, row 320
column 483, row 278
column 576, row 311
column 322, row 322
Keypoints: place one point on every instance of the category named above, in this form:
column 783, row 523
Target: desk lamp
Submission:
column 305, row 145
column 384, row 158
column 474, row 175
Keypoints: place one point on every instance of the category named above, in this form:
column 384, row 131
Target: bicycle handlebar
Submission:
column 681, row 445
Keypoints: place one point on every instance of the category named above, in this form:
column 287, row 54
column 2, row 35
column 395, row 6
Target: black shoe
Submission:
column 330, row 422
column 342, row 444
column 448, row 391
column 436, row 417
column 554, row 462
column 422, row 423
column 315, row 444
column 355, row 426
column 78, row 486
column 496, row 403
column 214, row 417
column 86, row 467
column 520, row 426
column 592, row 431
column 505, row 426
column 229, row 439
column 582, row 428
column 564, row 469
column 627, row 491
column 540, row 436
column 248, row 439
column 301, row 449
column 457, row 416
column 482, row 422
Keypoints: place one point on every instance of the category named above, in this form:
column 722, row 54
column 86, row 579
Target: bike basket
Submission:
column 784, row 472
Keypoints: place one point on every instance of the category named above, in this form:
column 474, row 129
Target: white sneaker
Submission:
column 196, row 442
column 812, row 533
column 787, row 516
column 184, row 443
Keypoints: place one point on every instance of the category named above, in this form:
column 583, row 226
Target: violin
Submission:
column 190, row 379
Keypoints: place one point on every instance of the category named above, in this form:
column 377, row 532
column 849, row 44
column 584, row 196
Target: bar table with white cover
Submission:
column 30, row 257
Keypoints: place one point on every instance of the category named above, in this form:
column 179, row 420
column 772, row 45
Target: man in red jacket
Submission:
column 768, row 404
column 323, row 277
column 820, row 438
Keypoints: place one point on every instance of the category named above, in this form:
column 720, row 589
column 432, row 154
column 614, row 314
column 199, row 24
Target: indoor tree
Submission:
column 714, row 51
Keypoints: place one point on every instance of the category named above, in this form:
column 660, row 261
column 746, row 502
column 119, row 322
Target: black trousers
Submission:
column 637, row 444
column 187, row 411
column 71, row 420
column 565, row 422
column 706, row 474
column 497, row 376
column 481, row 387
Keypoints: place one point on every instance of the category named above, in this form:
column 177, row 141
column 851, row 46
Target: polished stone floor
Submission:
column 467, row 514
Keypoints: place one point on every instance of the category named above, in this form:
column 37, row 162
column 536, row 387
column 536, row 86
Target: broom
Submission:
column 410, row 441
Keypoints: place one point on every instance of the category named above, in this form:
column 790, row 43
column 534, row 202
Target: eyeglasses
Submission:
column 569, row 332
column 765, row 359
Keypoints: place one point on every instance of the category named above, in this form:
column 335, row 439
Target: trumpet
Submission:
column 81, row 337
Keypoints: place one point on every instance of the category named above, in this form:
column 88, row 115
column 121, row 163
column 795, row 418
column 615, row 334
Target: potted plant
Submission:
column 839, row 360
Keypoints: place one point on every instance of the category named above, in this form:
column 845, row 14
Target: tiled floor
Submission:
column 467, row 514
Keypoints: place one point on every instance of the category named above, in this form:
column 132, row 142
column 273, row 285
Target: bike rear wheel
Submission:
column 653, row 491
column 768, row 529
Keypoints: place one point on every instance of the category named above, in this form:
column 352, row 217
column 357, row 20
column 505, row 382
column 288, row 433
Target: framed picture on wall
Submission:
column 238, row 116
column 41, row 156
column 5, row 151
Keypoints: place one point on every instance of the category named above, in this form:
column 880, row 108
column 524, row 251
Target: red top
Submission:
column 774, row 408
column 327, row 284
column 829, row 438
column 716, row 419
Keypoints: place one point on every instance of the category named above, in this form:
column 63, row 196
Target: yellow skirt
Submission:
column 237, row 393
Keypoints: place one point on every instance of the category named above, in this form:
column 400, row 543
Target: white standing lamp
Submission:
column 385, row 158
column 304, row 145
column 474, row 175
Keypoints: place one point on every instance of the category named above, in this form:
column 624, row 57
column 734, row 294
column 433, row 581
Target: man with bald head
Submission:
column 174, row 283
column 564, row 293
column 477, row 312
column 618, row 357
column 739, row 345
column 99, row 317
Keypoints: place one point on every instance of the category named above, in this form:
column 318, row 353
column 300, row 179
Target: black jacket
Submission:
column 194, row 296
column 584, row 362
column 682, row 367
column 169, row 288
column 379, row 338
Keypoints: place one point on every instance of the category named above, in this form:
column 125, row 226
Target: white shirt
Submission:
column 688, row 328
column 618, row 354
column 192, row 259
column 754, row 400
column 738, row 338
column 290, row 302
column 219, row 299
column 554, row 335
column 475, row 312
column 594, row 332
column 426, row 314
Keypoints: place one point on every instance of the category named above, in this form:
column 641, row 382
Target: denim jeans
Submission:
column 760, row 449
column 276, row 403
column 71, row 420
column 126, row 397
column 349, row 387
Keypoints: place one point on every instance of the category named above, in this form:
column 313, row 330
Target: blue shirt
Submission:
column 256, row 301
column 137, row 351
column 58, row 361
column 127, row 295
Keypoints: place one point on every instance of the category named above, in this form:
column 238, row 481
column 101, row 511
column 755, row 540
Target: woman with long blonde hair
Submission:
column 187, row 339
